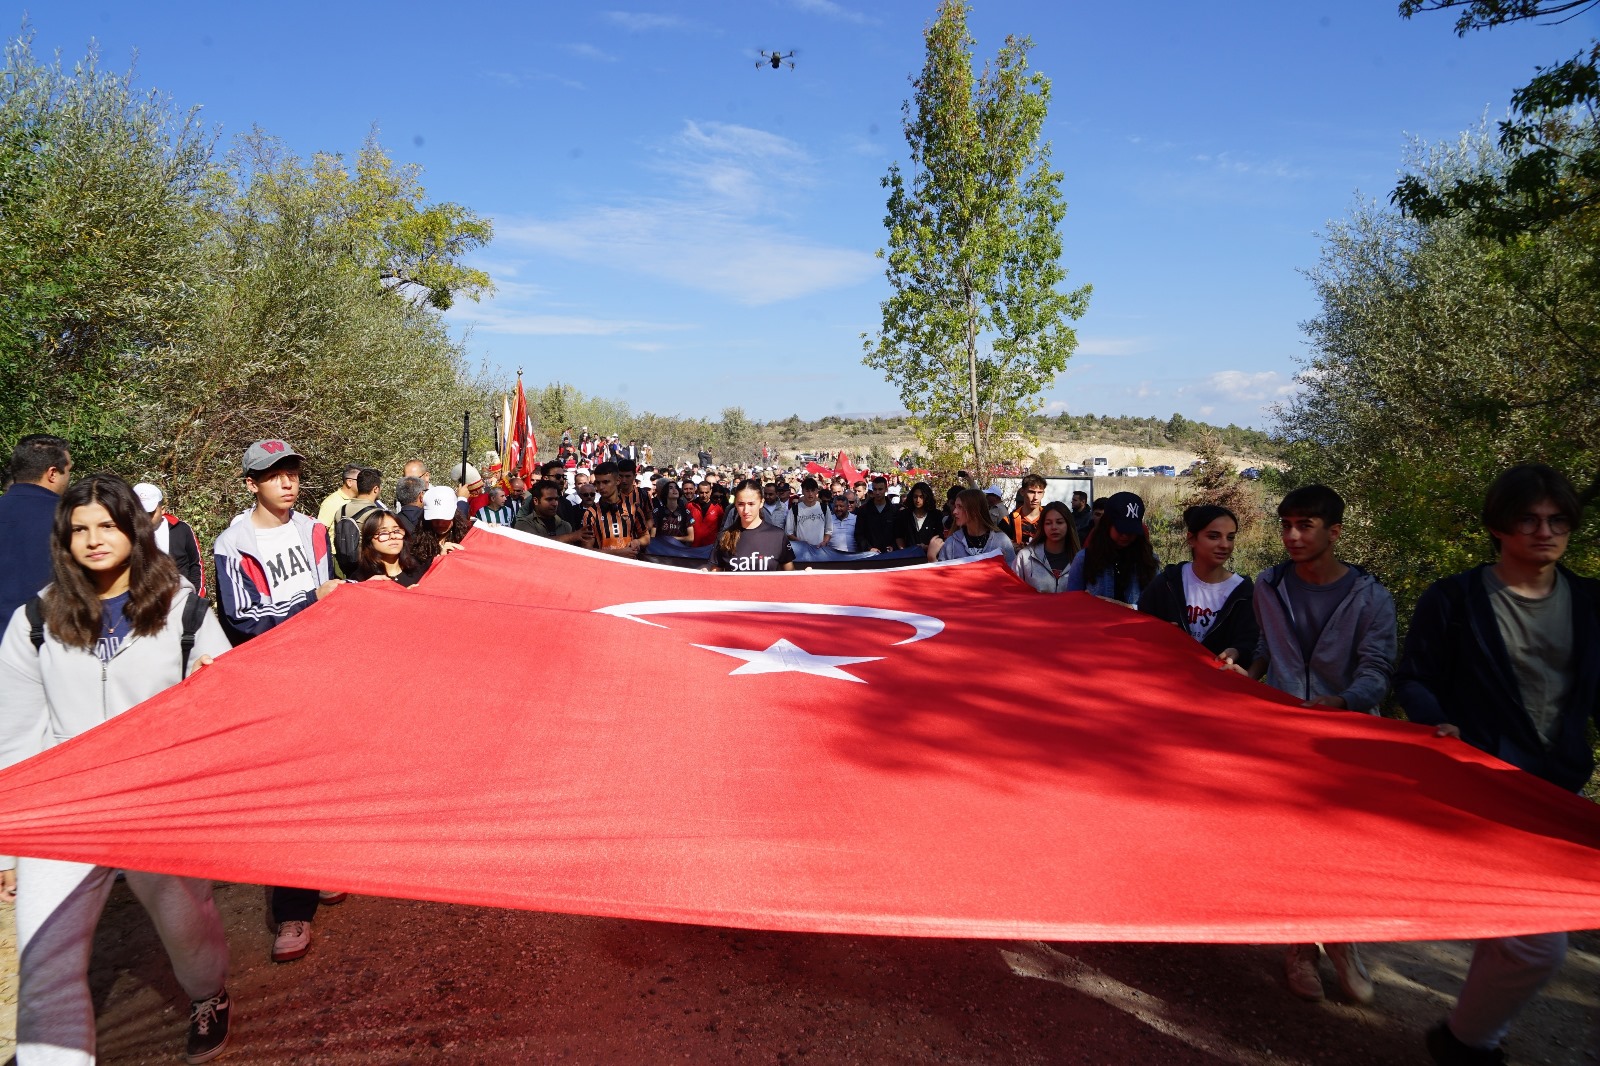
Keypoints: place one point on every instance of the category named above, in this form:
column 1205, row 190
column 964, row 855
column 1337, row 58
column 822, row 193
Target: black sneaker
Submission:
column 1448, row 1050
column 208, row 1028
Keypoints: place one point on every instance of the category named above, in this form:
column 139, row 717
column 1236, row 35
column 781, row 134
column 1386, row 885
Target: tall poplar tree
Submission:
column 976, row 326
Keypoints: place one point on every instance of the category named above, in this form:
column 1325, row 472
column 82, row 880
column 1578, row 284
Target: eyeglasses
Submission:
column 1559, row 524
column 388, row 534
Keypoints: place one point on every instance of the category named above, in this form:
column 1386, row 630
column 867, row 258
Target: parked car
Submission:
column 1164, row 471
column 1250, row 473
column 1128, row 471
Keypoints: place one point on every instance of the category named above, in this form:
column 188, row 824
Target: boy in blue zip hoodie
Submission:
column 1506, row 657
column 1328, row 639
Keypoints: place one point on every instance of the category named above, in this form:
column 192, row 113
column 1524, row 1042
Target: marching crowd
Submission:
column 106, row 598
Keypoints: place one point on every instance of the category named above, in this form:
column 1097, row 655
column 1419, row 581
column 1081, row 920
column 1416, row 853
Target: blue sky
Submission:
column 684, row 231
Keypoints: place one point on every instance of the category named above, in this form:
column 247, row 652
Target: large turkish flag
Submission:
column 934, row 751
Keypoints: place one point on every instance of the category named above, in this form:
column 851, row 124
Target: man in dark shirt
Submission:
column 875, row 519
column 1082, row 516
column 543, row 517
column 40, row 468
column 1506, row 657
column 409, row 496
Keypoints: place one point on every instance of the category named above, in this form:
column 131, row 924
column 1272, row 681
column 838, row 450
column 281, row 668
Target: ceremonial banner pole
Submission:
column 466, row 430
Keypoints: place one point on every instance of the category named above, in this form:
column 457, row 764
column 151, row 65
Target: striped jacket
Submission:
column 244, row 600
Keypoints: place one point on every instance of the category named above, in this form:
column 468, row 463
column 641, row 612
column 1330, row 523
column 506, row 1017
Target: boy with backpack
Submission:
column 348, row 518
column 1328, row 639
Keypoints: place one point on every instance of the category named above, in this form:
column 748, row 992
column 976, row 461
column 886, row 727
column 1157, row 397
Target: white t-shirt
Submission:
column 809, row 523
column 843, row 538
column 290, row 572
column 1205, row 601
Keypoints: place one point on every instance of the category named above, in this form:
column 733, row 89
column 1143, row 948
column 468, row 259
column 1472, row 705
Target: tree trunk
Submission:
column 979, row 471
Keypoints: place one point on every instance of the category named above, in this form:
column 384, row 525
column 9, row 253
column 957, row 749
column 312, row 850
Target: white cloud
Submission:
column 1232, row 163
column 1237, row 386
column 489, row 318
column 1112, row 345
column 644, row 21
column 589, row 51
column 832, row 10
column 522, row 79
column 717, row 231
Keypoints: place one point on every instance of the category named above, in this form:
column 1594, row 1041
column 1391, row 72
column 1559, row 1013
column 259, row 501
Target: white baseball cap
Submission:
column 438, row 502
column 149, row 496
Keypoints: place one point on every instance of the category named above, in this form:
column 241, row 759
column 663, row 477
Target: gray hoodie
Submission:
column 1354, row 656
column 55, row 693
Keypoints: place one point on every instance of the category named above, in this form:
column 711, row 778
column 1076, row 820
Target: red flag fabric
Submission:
column 522, row 448
column 818, row 468
column 845, row 469
column 935, row 750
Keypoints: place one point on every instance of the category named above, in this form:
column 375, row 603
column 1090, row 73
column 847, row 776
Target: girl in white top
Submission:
column 1044, row 563
column 973, row 532
column 1206, row 599
column 111, row 637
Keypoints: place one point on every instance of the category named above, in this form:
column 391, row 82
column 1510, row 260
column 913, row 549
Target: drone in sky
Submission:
column 775, row 60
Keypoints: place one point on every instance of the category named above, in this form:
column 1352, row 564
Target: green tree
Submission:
column 99, row 238
column 1216, row 483
column 296, row 337
column 976, row 325
column 735, row 435
column 1439, row 357
column 1549, row 168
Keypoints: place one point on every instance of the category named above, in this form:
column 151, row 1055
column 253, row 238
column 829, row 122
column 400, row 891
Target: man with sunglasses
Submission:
column 1506, row 657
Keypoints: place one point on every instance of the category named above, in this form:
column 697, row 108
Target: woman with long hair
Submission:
column 751, row 544
column 443, row 527
column 1118, row 561
column 1203, row 596
column 672, row 519
column 973, row 531
column 1044, row 563
column 385, row 554
column 918, row 520
column 106, row 635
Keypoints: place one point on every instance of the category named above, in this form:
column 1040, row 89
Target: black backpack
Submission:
column 347, row 538
column 194, row 613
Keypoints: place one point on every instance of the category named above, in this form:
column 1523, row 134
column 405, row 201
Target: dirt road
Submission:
column 393, row 981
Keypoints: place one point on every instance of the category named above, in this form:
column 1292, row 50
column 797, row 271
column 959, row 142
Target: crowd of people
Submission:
column 105, row 594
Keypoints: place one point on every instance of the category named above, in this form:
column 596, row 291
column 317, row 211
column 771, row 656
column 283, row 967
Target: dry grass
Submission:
column 1257, row 548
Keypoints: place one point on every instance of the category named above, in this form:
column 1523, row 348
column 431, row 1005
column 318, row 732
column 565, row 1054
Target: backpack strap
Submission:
column 194, row 614
column 35, row 613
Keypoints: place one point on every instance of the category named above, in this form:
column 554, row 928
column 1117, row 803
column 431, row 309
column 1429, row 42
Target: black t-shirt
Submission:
column 673, row 523
column 763, row 548
column 906, row 527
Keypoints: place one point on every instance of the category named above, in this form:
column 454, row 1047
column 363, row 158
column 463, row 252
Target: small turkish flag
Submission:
column 936, row 750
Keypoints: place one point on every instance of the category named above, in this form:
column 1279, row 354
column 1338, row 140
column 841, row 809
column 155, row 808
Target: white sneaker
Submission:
column 293, row 941
column 1352, row 974
column 1300, row 969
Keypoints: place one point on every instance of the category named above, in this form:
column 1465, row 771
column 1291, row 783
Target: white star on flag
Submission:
column 785, row 658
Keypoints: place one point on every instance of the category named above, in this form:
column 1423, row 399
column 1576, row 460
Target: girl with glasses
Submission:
column 386, row 552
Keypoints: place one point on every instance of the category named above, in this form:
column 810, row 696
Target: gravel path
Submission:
column 396, row 981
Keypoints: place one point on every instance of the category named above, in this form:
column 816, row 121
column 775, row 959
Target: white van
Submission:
column 1100, row 468
column 1128, row 471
